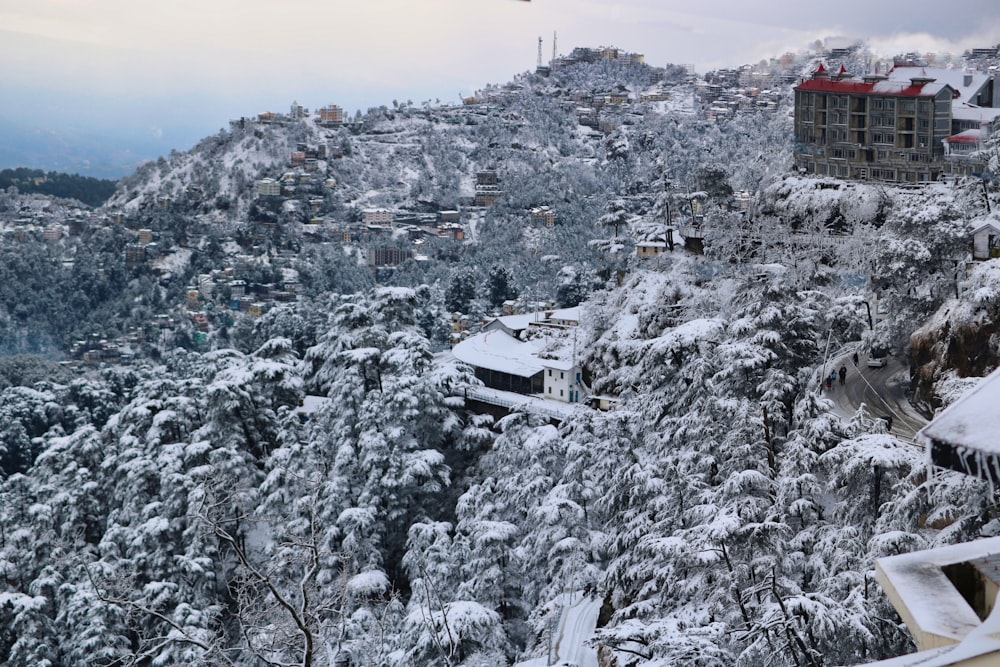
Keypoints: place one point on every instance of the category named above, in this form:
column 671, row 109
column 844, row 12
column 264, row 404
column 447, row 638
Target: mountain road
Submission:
column 882, row 390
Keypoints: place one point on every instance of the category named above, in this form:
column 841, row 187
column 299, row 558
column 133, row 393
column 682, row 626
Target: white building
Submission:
column 268, row 187
column 376, row 216
column 986, row 241
column 563, row 381
column 535, row 367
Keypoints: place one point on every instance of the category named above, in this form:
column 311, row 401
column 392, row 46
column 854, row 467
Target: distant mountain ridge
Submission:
column 91, row 191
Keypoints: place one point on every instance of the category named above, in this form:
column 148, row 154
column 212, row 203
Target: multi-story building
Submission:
column 900, row 127
column 332, row 115
column 376, row 216
column 487, row 187
column 268, row 187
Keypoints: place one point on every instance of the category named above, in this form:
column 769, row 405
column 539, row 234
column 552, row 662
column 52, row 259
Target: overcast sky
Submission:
column 184, row 67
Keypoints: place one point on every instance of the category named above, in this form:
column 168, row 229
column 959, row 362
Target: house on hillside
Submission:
column 911, row 125
column 650, row 248
column 504, row 362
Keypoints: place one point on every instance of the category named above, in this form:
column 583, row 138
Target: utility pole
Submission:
column 539, row 51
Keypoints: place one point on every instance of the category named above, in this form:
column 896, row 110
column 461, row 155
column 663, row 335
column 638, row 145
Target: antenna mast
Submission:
column 553, row 46
column 539, row 51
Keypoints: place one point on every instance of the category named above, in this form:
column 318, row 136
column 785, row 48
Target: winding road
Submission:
column 882, row 390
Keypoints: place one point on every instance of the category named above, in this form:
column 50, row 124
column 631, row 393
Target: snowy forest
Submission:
column 312, row 487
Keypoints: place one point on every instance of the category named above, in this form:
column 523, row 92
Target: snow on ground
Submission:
column 577, row 624
column 175, row 262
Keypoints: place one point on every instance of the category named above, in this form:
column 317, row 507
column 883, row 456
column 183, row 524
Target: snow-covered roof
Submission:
column 986, row 227
column 516, row 322
column 884, row 87
column 931, row 601
column 558, row 364
column 955, row 78
column 523, row 321
column 971, row 422
column 931, row 605
column 967, row 112
column 572, row 314
column 499, row 351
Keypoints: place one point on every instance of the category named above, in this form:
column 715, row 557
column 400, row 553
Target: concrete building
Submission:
column 376, row 216
column 332, row 115
column 912, row 125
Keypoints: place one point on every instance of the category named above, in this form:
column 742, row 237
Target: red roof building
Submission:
column 887, row 128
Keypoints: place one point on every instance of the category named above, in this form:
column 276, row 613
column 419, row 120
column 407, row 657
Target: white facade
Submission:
column 376, row 216
column 986, row 242
column 563, row 382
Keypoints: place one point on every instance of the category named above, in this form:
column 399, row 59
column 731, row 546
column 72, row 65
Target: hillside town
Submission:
column 612, row 364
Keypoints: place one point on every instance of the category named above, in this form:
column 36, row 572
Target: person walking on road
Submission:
column 854, row 358
column 843, row 375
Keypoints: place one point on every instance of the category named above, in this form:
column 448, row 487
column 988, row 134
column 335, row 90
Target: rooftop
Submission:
column 934, row 592
column 972, row 422
column 499, row 351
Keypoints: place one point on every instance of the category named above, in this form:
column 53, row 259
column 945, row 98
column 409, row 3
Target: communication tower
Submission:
column 541, row 69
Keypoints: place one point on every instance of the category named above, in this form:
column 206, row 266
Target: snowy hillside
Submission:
column 263, row 449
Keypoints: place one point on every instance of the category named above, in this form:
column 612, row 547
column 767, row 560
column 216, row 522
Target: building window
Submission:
column 883, row 138
column 550, row 372
column 561, row 375
column 560, row 392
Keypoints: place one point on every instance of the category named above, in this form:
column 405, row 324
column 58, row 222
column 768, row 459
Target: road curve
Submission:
column 882, row 390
